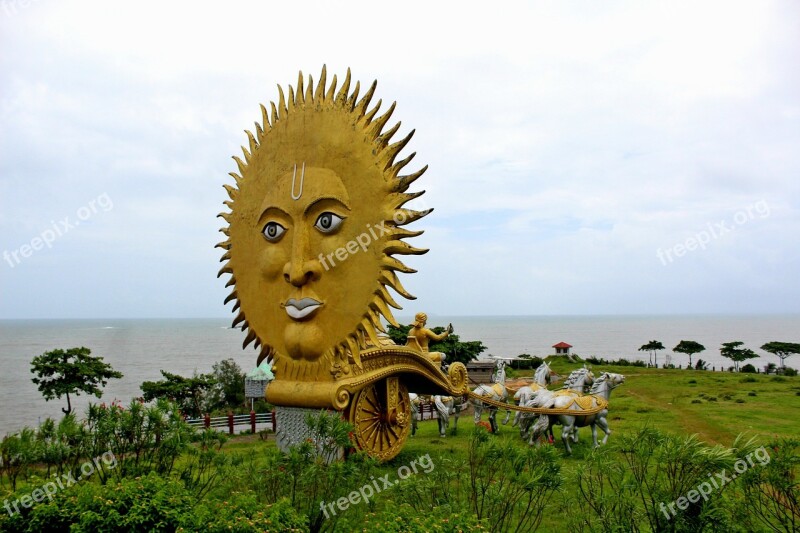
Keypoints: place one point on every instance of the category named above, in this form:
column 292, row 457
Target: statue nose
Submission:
column 301, row 268
column 299, row 273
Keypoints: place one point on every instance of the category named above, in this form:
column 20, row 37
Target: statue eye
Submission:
column 273, row 231
column 328, row 222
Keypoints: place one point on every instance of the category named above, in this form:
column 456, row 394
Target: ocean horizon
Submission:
column 140, row 348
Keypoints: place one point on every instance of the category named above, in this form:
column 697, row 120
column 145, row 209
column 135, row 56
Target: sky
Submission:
column 585, row 158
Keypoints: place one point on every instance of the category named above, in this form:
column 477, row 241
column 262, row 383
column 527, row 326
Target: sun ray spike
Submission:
column 361, row 107
column 231, row 190
column 378, row 124
column 381, row 307
column 275, row 117
column 404, row 182
column 390, row 279
column 239, row 163
column 226, row 269
column 375, row 318
column 319, row 94
column 407, row 216
column 231, row 282
column 369, row 329
column 391, row 263
column 251, row 336
column 300, row 89
column 403, row 233
column 399, row 199
column 395, row 169
column 330, row 96
column 385, row 137
column 309, row 96
column 345, row 89
column 291, row 102
column 351, row 101
column 259, row 132
column 369, row 116
column 265, row 125
column 246, row 155
column 402, row 248
column 225, row 245
column 354, row 351
column 386, row 297
column 236, row 321
column 252, row 139
column 393, row 149
column 230, row 297
column 282, row 102
column 225, row 257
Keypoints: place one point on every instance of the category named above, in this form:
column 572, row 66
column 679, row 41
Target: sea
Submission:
column 141, row 348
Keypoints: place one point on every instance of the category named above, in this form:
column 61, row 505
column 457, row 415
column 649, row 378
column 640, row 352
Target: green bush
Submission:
column 656, row 468
column 405, row 519
column 150, row 503
column 748, row 369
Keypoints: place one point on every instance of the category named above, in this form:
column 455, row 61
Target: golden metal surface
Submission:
column 316, row 218
column 377, row 429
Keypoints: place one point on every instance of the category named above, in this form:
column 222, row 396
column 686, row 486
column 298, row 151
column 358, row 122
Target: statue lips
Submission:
column 300, row 309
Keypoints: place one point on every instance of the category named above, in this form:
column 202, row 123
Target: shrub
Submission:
column 149, row 503
column 656, row 468
column 748, row 379
column 748, row 369
column 770, row 487
column 791, row 372
column 405, row 519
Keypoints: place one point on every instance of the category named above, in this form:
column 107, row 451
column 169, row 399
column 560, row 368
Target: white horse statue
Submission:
column 415, row 400
column 601, row 388
column 446, row 406
column 577, row 383
column 541, row 378
column 497, row 391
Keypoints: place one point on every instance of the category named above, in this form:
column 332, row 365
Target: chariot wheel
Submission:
column 381, row 417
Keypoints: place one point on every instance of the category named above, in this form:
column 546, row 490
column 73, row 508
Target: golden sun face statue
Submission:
column 315, row 219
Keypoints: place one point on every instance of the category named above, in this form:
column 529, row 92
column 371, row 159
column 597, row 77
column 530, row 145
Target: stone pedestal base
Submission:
column 291, row 430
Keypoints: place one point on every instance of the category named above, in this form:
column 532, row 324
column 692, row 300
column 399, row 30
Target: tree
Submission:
column 229, row 390
column 652, row 347
column 64, row 372
column 782, row 350
column 190, row 393
column 452, row 346
column 689, row 348
column 732, row 351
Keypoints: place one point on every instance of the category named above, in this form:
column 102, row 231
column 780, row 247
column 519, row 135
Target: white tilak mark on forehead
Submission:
column 302, row 179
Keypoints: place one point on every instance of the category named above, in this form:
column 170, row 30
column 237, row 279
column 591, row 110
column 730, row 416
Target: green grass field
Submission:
column 716, row 406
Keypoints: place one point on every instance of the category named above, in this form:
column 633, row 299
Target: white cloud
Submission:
column 566, row 144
